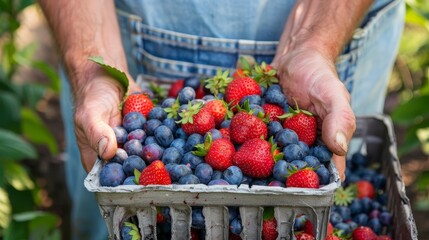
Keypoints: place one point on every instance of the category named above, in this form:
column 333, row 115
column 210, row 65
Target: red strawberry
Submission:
column 137, row 102
column 255, row 158
column 245, row 126
column 175, row 88
column 365, row 189
column 155, row 174
column 308, row 228
column 195, row 234
column 200, row 92
column 304, row 236
column 219, row 155
column 332, row 237
column 239, row 88
column 196, row 120
column 225, row 133
column 218, row 109
column 273, row 111
column 239, row 73
column 304, row 178
column 303, row 123
column 233, row 236
column 363, row 233
column 269, row 229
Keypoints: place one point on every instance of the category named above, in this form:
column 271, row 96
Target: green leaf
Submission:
column 30, row 94
column 13, row 147
column 35, row 130
column 422, row 181
column 17, row 176
column 10, row 108
column 268, row 213
column 408, row 112
column 137, row 174
column 5, row 209
column 117, row 74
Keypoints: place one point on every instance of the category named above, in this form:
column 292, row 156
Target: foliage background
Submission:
column 33, row 201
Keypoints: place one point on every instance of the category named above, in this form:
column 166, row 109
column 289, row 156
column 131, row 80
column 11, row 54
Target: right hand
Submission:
column 96, row 113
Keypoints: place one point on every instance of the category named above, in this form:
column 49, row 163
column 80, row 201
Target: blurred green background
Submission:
column 33, row 200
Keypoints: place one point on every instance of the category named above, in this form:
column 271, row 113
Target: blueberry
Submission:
column 233, row 212
column 375, row 225
column 220, row 96
column 126, row 233
column 193, row 82
column 293, row 152
column 275, row 95
column 298, row 164
column 233, row 175
column 246, row 180
column 120, row 156
column 375, row 205
column 133, row 120
column 299, row 222
column 150, row 126
column 157, row 113
column 208, row 98
column 323, row 174
column 163, row 136
column 235, row 226
column 191, row 159
column 171, row 124
column 280, row 170
column 121, row 134
column 352, row 178
column 217, row 175
column 178, row 170
column 285, row 137
column 193, row 140
column 374, row 214
column 359, row 160
column 186, row 95
column 133, row 147
column 379, row 181
column 152, row 152
column 168, row 102
column 260, row 182
column 149, row 140
column 335, row 218
column 256, row 109
column 263, row 90
column 133, row 162
column 276, row 183
column 171, row 155
column 304, row 147
column 180, row 134
column 352, row 225
column 312, row 161
column 138, row 134
column 216, row 134
column 112, row 175
column 366, row 204
column 198, row 221
column 253, row 99
column 225, row 123
column 322, row 153
column 385, row 218
column 217, row 182
column 382, row 198
column 344, row 227
column 361, row 219
column 129, row 181
column 179, row 143
column 204, row 172
column 344, row 212
column 274, row 127
column 355, row 206
column 189, row 179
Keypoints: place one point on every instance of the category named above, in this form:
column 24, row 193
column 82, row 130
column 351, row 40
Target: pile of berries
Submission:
column 241, row 131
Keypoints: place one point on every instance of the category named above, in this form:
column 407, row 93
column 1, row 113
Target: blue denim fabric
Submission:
column 168, row 39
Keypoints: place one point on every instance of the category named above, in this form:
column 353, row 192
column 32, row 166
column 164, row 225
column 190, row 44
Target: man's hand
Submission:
column 310, row 78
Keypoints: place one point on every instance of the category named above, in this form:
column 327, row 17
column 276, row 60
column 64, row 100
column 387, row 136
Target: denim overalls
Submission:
column 172, row 39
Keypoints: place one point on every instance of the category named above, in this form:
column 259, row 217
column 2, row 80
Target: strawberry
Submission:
column 218, row 154
column 303, row 123
column 195, row 234
column 239, row 73
column 273, row 111
column 308, row 228
column 245, row 126
column 155, row 174
column 225, row 133
column 384, row 237
column 269, row 229
column 239, row 88
column 265, row 75
column 137, row 102
column 255, row 158
column 218, row 83
column 200, row 92
column 363, row 233
column 304, row 178
column 196, row 120
column 332, row 237
column 304, row 236
column 175, row 88
column 219, row 110
column 365, row 189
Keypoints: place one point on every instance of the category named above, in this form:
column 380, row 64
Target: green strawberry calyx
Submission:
column 219, row 82
column 173, row 111
column 187, row 115
column 292, row 112
column 134, row 232
column 344, row 196
column 137, row 174
column 203, row 148
column 246, row 108
column 264, row 75
column 277, row 155
column 268, row 213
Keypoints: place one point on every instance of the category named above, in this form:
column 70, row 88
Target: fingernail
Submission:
column 341, row 140
column 102, row 145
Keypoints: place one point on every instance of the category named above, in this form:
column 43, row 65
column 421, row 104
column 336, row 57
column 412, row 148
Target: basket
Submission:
column 121, row 202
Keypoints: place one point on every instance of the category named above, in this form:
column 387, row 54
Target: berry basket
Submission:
column 121, row 202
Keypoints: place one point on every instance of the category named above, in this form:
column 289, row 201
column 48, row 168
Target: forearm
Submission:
column 324, row 26
column 82, row 29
